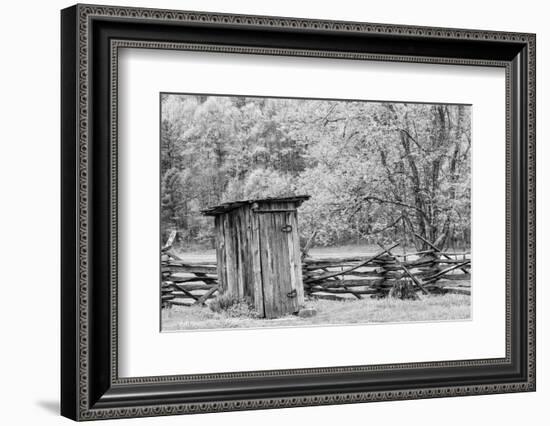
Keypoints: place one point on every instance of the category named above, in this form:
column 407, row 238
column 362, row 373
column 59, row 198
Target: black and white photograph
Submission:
column 275, row 208
column 280, row 212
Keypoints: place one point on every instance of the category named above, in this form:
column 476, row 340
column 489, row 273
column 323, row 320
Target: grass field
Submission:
column 430, row 308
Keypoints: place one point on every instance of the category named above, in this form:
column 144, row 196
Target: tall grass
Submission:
column 450, row 307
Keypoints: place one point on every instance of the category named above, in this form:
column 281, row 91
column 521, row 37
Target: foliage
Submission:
column 233, row 307
column 375, row 171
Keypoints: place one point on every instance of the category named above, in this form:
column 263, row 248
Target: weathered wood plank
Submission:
column 290, row 238
column 281, row 277
column 240, row 267
column 328, row 296
column 264, row 224
column 192, row 287
column 220, row 251
column 207, row 279
column 185, row 291
column 181, row 302
column 344, row 291
column 231, row 258
column 418, row 283
column 442, row 273
column 182, row 267
column 311, row 266
column 206, row 295
column 296, row 261
column 285, row 302
column 456, row 290
column 363, row 263
column 436, row 249
column 352, row 283
column 257, row 265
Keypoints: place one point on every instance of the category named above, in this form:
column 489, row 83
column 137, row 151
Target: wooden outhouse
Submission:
column 258, row 253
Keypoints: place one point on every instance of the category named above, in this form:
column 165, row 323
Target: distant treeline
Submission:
column 375, row 171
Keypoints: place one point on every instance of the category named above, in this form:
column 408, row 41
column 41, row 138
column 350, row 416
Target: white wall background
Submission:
column 29, row 213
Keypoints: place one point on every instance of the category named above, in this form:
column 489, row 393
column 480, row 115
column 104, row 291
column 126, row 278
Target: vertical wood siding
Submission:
column 258, row 261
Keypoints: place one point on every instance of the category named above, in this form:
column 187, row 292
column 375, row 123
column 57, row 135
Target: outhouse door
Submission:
column 280, row 261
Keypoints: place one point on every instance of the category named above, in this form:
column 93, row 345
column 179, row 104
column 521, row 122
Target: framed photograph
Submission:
column 263, row 212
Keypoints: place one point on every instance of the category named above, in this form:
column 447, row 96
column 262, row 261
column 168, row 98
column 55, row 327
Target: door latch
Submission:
column 292, row 294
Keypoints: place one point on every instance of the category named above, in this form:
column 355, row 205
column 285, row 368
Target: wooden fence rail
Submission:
column 336, row 278
column 185, row 283
column 430, row 271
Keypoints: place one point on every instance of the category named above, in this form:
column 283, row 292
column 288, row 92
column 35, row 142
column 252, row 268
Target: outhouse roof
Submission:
column 227, row 207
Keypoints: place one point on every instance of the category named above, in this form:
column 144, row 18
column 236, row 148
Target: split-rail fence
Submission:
column 429, row 271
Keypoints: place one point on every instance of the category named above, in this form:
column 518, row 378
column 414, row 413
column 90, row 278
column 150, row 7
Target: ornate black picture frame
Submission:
column 90, row 38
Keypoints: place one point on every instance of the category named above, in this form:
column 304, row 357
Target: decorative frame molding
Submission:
column 91, row 388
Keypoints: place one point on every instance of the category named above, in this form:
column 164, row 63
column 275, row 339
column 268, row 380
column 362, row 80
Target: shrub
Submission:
column 242, row 309
column 233, row 307
column 222, row 302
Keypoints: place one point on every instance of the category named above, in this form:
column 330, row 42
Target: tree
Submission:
column 375, row 171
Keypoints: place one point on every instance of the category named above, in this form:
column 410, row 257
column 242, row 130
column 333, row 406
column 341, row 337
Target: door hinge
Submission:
column 286, row 228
